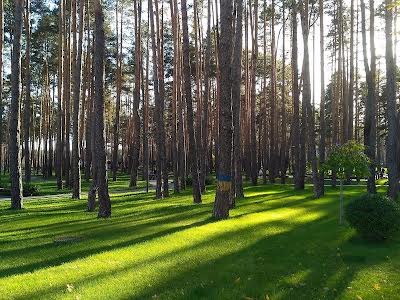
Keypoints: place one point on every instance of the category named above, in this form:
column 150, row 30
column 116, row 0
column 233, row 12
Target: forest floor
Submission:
column 277, row 244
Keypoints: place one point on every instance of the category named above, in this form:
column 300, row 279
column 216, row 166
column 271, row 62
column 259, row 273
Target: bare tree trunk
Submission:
column 100, row 147
column 1, row 84
column 175, row 93
column 77, row 61
column 60, row 118
column 206, row 98
column 322, row 144
column 67, row 91
column 116, row 128
column 298, row 177
column 27, row 103
column 236, row 100
column 189, row 104
column 253, row 131
column 370, row 107
column 224, row 185
column 393, row 128
column 283, row 152
column 136, row 97
column 309, row 118
column 15, row 111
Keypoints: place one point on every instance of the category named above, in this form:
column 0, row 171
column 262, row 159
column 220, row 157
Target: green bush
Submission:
column 189, row 181
column 374, row 217
column 30, row 189
column 209, row 180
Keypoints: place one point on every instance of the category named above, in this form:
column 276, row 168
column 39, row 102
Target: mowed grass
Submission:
column 48, row 187
column 277, row 244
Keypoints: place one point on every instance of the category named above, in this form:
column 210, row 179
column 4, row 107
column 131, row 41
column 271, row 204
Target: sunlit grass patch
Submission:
column 277, row 243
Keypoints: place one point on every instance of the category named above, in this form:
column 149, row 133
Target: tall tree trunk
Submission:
column 27, row 103
column 117, row 120
column 67, row 91
column 146, row 124
column 224, row 175
column 206, row 98
column 77, row 61
column 322, row 142
column 283, row 151
column 1, row 83
column 298, row 177
column 136, row 97
column 175, row 93
column 189, row 104
column 15, row 111
column 351, row 81
column 370, row 106
column 310, row 118
column 60, row 118
column 253, row 131
column 100, row 147
column 392, row 115
column 236, row 100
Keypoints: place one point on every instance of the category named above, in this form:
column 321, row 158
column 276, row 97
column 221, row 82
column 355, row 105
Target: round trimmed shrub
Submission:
column 374, row 217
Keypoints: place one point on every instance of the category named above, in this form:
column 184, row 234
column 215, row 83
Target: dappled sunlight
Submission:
column 280, row 241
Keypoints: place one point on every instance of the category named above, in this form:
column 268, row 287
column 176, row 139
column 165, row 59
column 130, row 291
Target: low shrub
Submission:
column 209, row 180
column 374, row 217
column 30, row 189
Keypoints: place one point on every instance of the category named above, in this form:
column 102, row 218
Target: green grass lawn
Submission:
column 277, row 244
column 49, row 186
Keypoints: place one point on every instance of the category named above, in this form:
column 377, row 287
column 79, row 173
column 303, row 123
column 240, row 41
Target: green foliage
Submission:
column 375, row 217
column 30, row 189
column 348, row 159
column 209, row 180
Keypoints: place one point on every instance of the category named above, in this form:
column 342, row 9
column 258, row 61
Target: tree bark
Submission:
column 189, row 104
column 77, row 61
column 27, row 103
column 100, row 147
column 392, row 115
column 117, row 120
column 136, row 101
column 322, row 142
column 236, row 102
column 15, row 111
column 370, row 107
column 224, row 175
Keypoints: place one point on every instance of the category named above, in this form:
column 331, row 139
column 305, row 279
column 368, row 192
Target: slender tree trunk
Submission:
column 393, row 128
column 253, row 131
column 322, row 143
column 236, row 100
column 370, row 107
column 298, row 177
column 27, row 103
column 309, row 119
column 100, row 147
column 224, row 185
column 206, row 98
column 189, row 104
column 351, row 83
column 15, row 111
column 77, row 61
column 67, row 91
column 283, row 151
column 1, row 84
column 60, row 118
column 176, row 87
column 136, row 97
column 146, row 125
column 118, row 99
